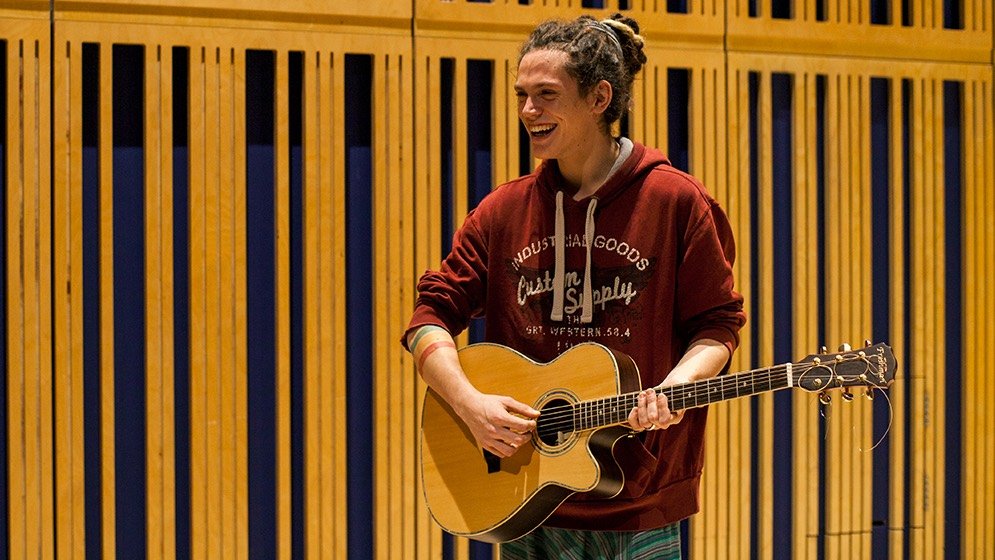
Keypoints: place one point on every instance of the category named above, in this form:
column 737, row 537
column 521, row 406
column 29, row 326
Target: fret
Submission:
column 615, row 409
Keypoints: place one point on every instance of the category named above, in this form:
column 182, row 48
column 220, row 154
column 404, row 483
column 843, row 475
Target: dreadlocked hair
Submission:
column 610, row 50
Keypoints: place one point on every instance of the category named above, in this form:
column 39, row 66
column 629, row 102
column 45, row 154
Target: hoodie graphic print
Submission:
column 644, row 266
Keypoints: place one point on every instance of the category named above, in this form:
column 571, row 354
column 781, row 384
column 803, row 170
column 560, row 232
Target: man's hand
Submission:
column 652, row 412
column 499, row 423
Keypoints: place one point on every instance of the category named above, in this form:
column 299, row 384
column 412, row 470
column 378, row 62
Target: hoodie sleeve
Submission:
column 451, row 296
column 707, row 304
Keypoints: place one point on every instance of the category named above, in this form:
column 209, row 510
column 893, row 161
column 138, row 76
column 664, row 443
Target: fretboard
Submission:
column 614, row 410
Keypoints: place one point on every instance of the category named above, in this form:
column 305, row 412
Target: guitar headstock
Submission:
column 872, row 366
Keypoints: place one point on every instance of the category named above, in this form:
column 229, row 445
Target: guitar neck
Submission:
column 599, row 413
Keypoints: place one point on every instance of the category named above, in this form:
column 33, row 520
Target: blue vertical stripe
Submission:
column 953, row 14
column 479, row 86
column 92, row 463
column 880, row 12
column 129, row 300
column 909, row 366
column 678, row 84
column 754, row 321
column 820, row 165
column 359, row 300
column 677, row 6
column 181, row 300
column 952, row 156
column 261, row 301
column 295, row 82
column 447, row 68
column 4, row 474
column 881, row 296
column 783, row 304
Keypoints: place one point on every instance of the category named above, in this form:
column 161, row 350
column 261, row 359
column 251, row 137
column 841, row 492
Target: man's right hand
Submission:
column 499, row 423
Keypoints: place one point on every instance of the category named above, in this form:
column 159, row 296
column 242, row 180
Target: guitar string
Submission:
column 682, row 393
column 566, row 417
column 891, row 418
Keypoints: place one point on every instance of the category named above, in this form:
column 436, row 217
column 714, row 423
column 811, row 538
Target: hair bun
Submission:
column 627, row 31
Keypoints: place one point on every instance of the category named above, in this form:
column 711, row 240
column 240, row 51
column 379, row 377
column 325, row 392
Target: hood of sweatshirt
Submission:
column 633, row 162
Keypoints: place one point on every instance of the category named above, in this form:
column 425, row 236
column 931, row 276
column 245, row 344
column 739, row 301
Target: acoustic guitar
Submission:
column 584, row 396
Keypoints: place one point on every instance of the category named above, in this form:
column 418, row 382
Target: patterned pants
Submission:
column 546, row 543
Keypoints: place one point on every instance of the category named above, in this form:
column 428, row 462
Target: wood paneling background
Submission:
column 213, row 218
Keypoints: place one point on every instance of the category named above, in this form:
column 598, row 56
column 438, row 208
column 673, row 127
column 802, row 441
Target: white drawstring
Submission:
column 559, row 275
column 588, row 313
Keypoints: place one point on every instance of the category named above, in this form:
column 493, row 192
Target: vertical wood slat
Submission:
column 422, row 97
column 43, row 177
column 240, row 372
column 969, row 514
column 405, row 140
column 427, row 206
column 17, row 469
column 215, row 452
column 339, row 283
column 322, row 151
column 918, row 494
column 282, row 211
column 15, row 312
column 988, row 101
column 31, row 516
column 225, row 303
column 153, row 297
column 739, row 213
column 67, row 225
column 386, row 519
column 107, row 477
column 832, row 286
column 805, row 238
column 314, row 456
column 199, row 519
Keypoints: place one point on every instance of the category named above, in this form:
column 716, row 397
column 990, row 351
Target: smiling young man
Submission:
column 604, row 242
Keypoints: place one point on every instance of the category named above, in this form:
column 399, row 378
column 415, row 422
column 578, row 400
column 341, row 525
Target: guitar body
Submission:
column 492, row 499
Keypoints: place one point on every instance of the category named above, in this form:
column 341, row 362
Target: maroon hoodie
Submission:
column 660, row 278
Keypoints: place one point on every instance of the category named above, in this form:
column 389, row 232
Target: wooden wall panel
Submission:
column 28, row 303
column 829, row 49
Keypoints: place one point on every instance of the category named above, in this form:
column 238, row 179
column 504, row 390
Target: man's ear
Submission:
column 601, row 96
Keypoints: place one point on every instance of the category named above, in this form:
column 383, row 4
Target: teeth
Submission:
column 542, row 128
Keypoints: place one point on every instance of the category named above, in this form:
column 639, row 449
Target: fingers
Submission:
column 509, row 428
column 652, row 412
column 521, row 417
column 505, row 443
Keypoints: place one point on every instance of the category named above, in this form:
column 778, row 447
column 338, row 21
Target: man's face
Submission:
column 559, row 120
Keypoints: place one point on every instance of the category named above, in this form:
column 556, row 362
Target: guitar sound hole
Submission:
column 556, row 423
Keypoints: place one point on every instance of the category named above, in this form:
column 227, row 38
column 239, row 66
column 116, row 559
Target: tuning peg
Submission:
column 825, row 398
column 869, row 394
column 844, row 347
column 867, row 342
column 847, row 396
